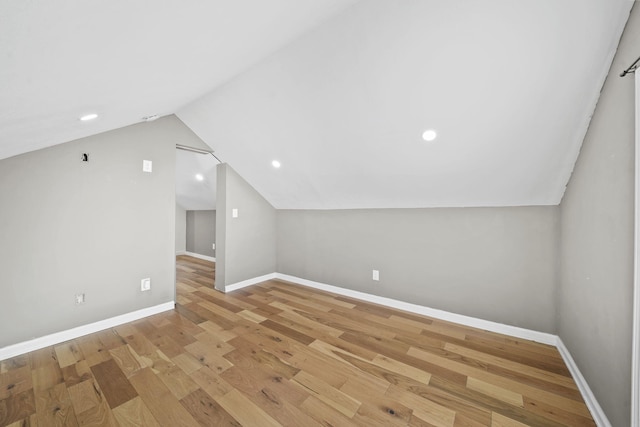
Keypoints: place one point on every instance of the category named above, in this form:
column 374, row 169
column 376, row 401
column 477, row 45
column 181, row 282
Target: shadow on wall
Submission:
column 245, row 230
column 200, row 232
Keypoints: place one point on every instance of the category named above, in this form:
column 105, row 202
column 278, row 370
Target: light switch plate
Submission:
column 234, row 213
column 145, row 284
column 147, row 166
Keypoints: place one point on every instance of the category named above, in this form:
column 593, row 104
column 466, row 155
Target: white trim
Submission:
column 596, row 411
column 249, row 282
column 635, row 343
column 181, row 253
column 69, row 334
column 204, row 257
column 589, row 399
column 487, row 325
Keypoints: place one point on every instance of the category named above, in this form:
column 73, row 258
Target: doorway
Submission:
column 195, row 204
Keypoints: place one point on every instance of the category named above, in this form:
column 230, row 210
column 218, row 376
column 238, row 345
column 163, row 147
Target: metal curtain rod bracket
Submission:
column 632, row 68
column 197, row 150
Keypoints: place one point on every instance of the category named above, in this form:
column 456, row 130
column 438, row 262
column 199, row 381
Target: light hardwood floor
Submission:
column 281, row 354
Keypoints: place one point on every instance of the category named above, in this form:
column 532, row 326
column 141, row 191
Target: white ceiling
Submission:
column 339, row 91
column 508, row 85
column 191, row 193
column 128, row 59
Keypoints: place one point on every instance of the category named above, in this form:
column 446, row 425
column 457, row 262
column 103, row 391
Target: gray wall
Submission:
column 201, row 232
column 98, row 227
column 246, row 244
column 181, row 229
column 498, row 264
column 597, row 211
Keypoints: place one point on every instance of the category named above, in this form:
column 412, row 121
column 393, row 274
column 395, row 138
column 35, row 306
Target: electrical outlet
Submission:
column 147, row 166
column 376, row 275
column 145, row 284
column 79, row 298
column 234, row 213
column 213, row 246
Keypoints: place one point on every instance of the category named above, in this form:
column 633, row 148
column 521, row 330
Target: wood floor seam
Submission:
column 280, row 354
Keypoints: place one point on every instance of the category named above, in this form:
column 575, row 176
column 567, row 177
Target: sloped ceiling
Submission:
column 195, row 193
column 508, row 85
column 339, row 91
column 128, row 59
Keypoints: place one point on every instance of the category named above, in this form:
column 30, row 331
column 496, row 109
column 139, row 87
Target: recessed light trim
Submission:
column 429, row 135
column 199, row 177
column 276, row 164
column 88, row 117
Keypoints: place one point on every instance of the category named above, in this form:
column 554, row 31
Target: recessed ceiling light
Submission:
column 429, row 135
column 88, row 117
column 199, row 177
column 275, row 164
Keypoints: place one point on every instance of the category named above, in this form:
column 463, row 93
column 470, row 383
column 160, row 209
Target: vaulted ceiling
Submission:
column 196, row 181
column 128, row 59
column 338, row 91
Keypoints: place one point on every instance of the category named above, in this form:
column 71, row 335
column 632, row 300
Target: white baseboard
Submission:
column 487, row 325
column 596, row 411
column 181, row 253
column 589, row 399
column 69, row 334
column 195, row 255
column 56, row 338
column 249, row 282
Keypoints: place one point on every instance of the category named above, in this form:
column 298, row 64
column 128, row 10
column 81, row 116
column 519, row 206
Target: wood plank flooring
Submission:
column 281, row 354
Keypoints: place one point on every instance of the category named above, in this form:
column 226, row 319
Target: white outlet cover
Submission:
column 79, row 298
column 213, row 246
column 145, row 284
column 147, row 166
column 376, row 275
column 234, row 213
